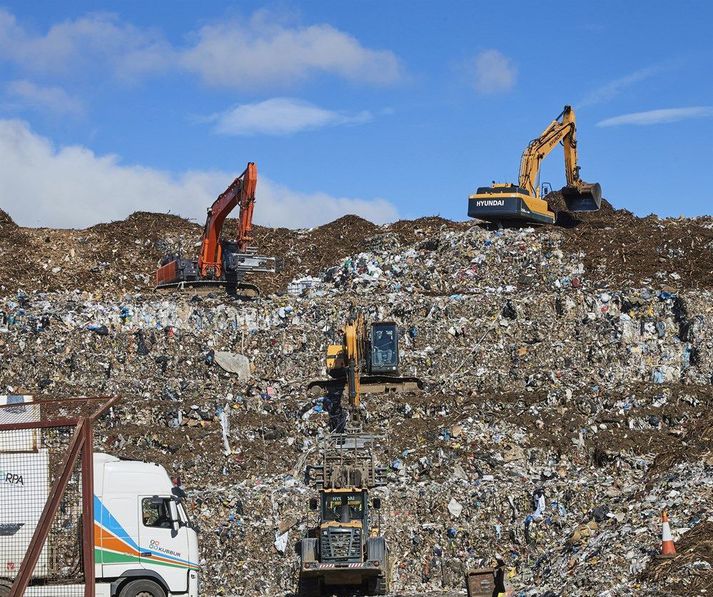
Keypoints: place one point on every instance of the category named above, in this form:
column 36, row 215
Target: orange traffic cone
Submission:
column 668, row 549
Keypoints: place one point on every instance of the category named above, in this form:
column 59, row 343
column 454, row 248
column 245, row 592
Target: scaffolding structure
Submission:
column 46, row 495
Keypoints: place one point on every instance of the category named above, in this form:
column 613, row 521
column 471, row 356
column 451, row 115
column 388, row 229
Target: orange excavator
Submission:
column 222, row 262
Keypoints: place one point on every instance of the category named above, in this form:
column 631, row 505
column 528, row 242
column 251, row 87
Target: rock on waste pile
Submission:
column 568, row 390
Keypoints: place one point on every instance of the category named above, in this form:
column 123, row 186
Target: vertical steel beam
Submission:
column 88, row 509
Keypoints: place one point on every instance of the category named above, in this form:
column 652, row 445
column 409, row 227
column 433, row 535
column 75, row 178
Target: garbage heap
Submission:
column 567, row 399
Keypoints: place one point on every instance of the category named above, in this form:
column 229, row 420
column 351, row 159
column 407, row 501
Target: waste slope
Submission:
column 568, row 392
column 616, row 247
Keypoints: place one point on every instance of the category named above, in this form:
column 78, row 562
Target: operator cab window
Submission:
column 335, row 504
column 384, row 344
column 155, row 512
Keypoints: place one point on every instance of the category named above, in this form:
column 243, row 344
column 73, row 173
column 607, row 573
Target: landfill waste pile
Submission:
column 568, row 390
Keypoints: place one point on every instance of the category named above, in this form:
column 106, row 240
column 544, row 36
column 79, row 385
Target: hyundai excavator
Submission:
column 222, row 262
column 367, row 359
column 507, row 202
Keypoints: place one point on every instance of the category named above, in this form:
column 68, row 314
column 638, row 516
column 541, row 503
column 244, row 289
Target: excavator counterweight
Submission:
column 507, row 202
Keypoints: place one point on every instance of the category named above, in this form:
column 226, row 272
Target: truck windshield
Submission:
column 333, row 504
column 383, row 344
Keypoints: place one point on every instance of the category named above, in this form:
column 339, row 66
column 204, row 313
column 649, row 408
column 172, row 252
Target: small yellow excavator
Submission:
column 366, row 360
column 507, row 202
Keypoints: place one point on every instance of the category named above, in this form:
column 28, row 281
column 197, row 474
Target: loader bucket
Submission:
column 583, row 197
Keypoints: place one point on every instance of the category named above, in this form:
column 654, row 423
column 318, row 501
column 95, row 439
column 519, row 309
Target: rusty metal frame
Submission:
column 39, row 537
column 88, row 507
column 81, row 445
column 106, row 403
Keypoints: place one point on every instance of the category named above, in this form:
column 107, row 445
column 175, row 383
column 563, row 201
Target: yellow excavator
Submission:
column 507, row 202
column 366, row 359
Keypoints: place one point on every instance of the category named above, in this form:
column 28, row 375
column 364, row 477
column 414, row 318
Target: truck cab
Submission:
column 144, row 542
column 142, row 530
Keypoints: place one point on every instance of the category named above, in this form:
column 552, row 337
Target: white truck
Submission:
column 144, row 543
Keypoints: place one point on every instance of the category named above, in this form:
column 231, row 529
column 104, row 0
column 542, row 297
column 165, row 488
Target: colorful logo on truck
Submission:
column 113, row 545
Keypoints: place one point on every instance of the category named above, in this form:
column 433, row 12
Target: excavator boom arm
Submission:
column 354, row 344
column 565, row 131
column 240, row 192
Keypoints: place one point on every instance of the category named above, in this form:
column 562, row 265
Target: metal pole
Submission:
column 88, row 509
column 42, row 530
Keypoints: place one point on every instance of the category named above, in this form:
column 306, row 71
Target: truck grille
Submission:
column 341, row 545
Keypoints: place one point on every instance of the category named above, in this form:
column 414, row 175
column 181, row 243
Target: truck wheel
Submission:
column 310, row 587
column 142, row 588
column 5, row 587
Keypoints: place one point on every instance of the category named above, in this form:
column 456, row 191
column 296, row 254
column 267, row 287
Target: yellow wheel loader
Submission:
column 508, row 202
column 345, row 548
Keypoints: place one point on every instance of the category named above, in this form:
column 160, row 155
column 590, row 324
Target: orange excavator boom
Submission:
column 240, row 192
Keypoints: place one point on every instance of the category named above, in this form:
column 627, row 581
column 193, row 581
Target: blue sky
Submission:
column 388, row 109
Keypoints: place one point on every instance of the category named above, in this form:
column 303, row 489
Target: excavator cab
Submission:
column 375, row 361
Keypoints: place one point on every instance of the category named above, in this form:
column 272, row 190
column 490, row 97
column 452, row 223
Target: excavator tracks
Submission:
column 369, row 384
column 241, row 290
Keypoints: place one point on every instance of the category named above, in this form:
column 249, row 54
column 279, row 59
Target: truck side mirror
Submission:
column 313, row 503
column 376, row 503
column 175, row 520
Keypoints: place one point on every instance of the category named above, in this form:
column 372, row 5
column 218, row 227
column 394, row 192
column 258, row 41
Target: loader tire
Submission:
column 5, row 587
column 310, row 587
column 378, row 585
column 142, row 588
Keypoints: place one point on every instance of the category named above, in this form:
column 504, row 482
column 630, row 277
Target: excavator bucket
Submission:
column 583, row 197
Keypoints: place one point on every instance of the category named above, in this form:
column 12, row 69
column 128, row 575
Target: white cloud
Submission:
column 281, row 116
column 615, row 87
column 494, row 72
column 281, row 206
column 75, row 46
column 260, row 51
column 658, row 116
column 255, row 51
column 73, row 187
column 26, row 94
